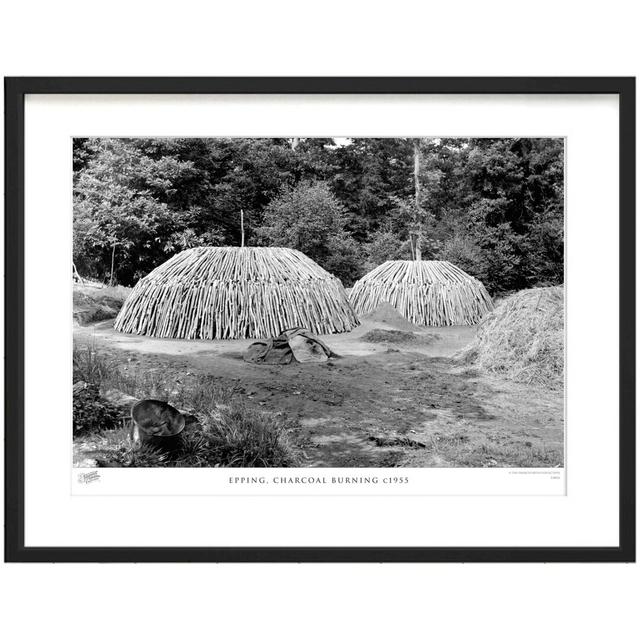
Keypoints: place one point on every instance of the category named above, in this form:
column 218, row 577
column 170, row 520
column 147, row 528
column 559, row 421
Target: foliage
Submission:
column 126, row 209
column 89, row 366
column 505, row 197
column 496, row 204
column 238, row 436
column 91, row 412
column 105, row 373
column 383, row 246
column 310, row 218
column 462, row 250
column 303, row 218
column 228, row 432
column 235, row 436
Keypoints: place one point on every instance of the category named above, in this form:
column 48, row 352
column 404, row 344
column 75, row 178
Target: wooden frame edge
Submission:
column 15, row 90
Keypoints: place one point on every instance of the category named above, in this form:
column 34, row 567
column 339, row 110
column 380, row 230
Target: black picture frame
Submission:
column 15, row 91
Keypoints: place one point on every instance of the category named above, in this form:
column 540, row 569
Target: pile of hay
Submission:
column 231, row 292
column 425, row 292
column 523, row 338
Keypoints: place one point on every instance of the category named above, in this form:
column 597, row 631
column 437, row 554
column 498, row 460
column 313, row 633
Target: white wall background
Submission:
column 328, row 38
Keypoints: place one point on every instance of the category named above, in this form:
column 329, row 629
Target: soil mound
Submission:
column 387, row 314
column 94, row 304
column 393, row 336
column 389, row 335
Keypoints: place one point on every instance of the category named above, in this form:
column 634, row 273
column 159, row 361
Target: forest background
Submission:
column 494, row 207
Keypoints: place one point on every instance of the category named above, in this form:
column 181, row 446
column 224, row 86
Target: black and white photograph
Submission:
column 342, row 302
column 320, row 320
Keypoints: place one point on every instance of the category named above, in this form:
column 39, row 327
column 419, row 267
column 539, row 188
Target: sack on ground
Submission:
column 292, row 345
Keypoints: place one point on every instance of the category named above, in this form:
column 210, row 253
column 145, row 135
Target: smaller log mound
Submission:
column 425, row 292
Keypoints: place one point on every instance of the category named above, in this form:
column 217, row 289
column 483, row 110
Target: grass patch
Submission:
column 91, row 367
column 461, row 450
column 202, row 393
column 234, row 436
column 228, row 433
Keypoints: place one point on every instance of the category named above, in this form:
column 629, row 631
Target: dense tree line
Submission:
column 492, row 206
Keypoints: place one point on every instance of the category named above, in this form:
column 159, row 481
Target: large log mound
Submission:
column 231, row 293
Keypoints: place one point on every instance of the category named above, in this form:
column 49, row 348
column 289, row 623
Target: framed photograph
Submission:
column 320, row 319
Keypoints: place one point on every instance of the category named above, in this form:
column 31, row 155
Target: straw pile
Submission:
column 523, row 338
column 230, row 293
column 426, row 292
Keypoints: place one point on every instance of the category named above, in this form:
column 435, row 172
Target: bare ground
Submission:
column 388, row 401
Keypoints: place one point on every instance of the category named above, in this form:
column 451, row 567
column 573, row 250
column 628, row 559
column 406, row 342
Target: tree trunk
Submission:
column 113, row 260
column 75, row 272
column 416, row 182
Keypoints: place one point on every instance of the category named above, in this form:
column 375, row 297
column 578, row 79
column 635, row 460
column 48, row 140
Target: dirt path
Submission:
column 381, row 404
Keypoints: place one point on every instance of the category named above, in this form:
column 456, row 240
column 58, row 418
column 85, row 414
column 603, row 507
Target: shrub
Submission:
column 240, row 436
column 383, row 246
column 464, row 252
column 311, row 219
column 303, row 218
column 344, row 259
column 203, row 394
column 91, row 412
column 228, row 434
column 89, row 366
column 234, row 436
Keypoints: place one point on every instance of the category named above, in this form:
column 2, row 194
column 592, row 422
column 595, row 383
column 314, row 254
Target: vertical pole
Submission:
column 416, row 182
column 113, row 258
column 242, row 228
column 75, row 271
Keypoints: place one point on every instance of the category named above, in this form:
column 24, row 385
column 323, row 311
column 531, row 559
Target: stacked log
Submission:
column 221, row 293
column 425, row 292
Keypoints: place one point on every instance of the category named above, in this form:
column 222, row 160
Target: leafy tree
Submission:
column 123, row 212
column 311, row 219
column 462, row 250
column 504, row 196
column 493, row 206
column 344, row 258
column 370, row 173
column 383, row 246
